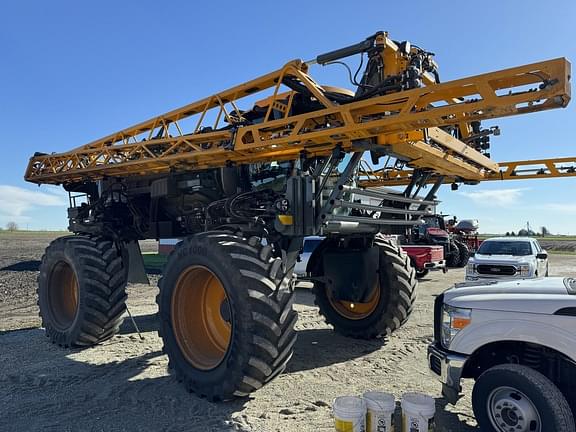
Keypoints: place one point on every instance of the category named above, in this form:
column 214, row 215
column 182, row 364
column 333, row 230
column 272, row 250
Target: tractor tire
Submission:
column 513, row 397
column 81, row 290
column 464, row 253
column 390, row 306
column 226, row 315
column 453, row 258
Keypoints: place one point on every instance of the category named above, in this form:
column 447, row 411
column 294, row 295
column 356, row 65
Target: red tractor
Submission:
column 434, row 231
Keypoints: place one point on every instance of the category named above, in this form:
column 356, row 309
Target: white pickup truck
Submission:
column 517, row 340
column 508, row 258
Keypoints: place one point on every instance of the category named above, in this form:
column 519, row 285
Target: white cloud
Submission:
column 15, row 201
column 495, row 198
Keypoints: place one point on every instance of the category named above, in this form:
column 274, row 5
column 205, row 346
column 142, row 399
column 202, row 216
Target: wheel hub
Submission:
column 356, row 311
column 63, row 295
column 512, row 411
column 201, row 317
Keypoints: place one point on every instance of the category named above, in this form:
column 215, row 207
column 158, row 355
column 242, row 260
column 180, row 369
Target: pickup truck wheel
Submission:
column 422, row 273
column 512, row 397
column 387, row 309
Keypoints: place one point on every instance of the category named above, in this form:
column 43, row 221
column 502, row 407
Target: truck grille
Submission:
column 504, row 270
column 435, row 365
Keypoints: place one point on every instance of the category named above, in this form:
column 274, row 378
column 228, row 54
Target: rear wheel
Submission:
column 453, row 258
column 388, row 307
column 464, row 253
column 81, row 290
column 513, row 397
column 226, row 313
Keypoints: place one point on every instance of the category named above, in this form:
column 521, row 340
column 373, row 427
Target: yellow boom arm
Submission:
column 517, row 170
column 406, row 124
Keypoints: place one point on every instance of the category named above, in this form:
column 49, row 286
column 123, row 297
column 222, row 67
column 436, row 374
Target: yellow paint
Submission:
column 286, row 219
column 344, row 426
column 398, row 121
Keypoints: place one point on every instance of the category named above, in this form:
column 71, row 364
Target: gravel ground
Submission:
column 124, row 384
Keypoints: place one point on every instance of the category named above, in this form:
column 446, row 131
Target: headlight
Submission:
column 524, row 269
column 453, row 320
column 470, row 268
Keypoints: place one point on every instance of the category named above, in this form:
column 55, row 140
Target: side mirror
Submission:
column 542, row 255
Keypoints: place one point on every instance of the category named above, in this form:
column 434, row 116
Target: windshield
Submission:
column 432, row 222
column 516, row 248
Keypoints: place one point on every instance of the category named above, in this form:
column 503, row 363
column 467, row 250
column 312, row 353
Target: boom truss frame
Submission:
column 404, row 124
column 515, row 170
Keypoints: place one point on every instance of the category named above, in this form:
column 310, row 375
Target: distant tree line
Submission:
column 529, row 233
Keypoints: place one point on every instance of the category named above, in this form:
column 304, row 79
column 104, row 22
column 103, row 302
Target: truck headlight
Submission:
column 524, row 269
column 453, row 320
column 470, row 268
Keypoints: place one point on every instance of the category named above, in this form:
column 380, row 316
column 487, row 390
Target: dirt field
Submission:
column 123, row 384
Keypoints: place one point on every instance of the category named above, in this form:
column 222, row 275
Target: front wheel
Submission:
column 388, row 307
column 226, row 314
column 513, row 397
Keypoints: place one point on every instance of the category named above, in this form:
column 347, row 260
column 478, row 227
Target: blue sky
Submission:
column 75, row 71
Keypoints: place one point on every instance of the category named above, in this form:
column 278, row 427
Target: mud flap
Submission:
column 132, row 256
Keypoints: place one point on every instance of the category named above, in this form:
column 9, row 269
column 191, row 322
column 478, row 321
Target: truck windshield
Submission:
column 516, row 248
column 432, row 222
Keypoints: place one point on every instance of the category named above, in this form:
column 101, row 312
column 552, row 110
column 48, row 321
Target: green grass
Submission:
column 561, row 252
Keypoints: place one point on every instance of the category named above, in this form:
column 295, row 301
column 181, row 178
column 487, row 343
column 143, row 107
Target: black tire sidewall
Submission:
column 464, row 253
column 196, row 251
column 495, row 378
column 375, row 324
column 61, row 250
column 453, row 259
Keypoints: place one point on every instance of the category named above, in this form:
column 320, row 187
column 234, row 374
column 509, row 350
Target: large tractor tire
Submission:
column 390, row 305
column 226, row 314
column 453, row 258
column 81, row 290
column 464, row 253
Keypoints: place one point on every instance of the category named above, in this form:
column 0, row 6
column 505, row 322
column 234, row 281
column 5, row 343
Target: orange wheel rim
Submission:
column 201, row 317
column 63, row 295
column 353, row 310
